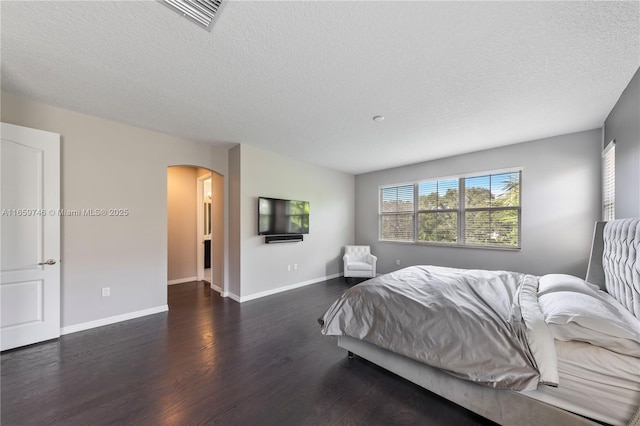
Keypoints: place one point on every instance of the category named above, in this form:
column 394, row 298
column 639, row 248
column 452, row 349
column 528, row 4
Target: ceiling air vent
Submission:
column 201, row 12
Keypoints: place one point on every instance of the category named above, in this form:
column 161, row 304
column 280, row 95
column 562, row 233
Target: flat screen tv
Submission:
column 282, row 217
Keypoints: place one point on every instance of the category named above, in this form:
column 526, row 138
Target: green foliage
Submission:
column 298, row 223
column 298, row 207
column 475, row 197
column 440, row 227
column 510, row 196
column 492, row 227
column 434, row 201
column 397, row 227
column 491, row 215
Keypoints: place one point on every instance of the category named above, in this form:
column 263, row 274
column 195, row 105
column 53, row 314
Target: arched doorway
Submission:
column 195, row 216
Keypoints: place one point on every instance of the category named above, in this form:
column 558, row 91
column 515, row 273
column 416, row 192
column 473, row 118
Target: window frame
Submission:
column 608, row 199
column 460, row 211
column 396, row 213
column 419, row 211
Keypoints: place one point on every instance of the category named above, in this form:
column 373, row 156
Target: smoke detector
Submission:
column 200, row 12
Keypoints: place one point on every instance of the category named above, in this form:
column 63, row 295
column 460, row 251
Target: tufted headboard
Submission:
column 615, row 261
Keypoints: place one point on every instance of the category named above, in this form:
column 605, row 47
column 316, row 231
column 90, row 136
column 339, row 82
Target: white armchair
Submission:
column 359, row 262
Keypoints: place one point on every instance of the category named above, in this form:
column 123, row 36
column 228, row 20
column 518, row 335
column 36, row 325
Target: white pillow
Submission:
column 563, row 282
column 592, row 317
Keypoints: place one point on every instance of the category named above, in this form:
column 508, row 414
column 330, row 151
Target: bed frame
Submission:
column 493, row 404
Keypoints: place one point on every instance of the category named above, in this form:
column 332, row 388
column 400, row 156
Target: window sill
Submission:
column 469, row 246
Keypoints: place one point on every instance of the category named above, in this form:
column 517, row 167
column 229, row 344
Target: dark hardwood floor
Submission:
column 212, row 361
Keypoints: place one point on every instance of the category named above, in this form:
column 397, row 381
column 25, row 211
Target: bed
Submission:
column 532, row 350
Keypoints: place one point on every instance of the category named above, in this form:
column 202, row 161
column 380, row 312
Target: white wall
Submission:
column 235, row 238
column 262, row 267
column 560, row 203
column 106, row 164
column 623, row 125
column 181, row 217
column 218, row 229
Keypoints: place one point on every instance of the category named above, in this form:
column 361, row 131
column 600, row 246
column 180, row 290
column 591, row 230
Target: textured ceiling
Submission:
column 305, row 78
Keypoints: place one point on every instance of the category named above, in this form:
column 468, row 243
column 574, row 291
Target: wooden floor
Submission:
column 212, row 361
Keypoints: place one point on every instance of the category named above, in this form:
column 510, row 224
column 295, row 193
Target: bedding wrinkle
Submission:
column 458, row 320
column 538, row 336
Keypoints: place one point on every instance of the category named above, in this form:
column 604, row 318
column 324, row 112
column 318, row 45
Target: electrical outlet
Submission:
column 295, row 266
column 106, row 291
column 397, row 261
column 289, row 268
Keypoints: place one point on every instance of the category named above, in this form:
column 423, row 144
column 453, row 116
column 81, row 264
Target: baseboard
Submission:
column 233, row 296
column 131, row 315
column 182, row 280
column 281, row 289
column 112, row 320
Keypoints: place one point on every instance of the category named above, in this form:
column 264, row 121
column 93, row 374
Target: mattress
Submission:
column 594, row 382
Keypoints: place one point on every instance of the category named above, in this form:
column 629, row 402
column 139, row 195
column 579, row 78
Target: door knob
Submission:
column 48, row 262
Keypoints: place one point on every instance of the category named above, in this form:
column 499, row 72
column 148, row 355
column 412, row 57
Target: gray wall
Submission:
column 560, row 203
column 235, row 242
column 623, row 125
column 262, row 268
column 106, row 164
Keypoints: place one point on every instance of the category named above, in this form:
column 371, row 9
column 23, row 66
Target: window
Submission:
column 438, row 203
column 396, row 213
column 609, row 182
column 470, row 211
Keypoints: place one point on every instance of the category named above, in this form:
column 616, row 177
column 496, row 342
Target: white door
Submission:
column 30, row 234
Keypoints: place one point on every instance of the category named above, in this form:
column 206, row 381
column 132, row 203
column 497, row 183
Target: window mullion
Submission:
column 461, row 210
column 416, row 208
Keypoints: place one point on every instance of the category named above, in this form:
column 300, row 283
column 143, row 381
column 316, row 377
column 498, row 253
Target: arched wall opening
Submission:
column 195, row 226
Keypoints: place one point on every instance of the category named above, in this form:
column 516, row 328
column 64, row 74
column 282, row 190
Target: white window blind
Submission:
column 609, row 182
column 438, row 202
column 477, row 210
column 492, row 210
column 396, row 213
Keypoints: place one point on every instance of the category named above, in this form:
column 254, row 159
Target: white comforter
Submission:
column 484, row 326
